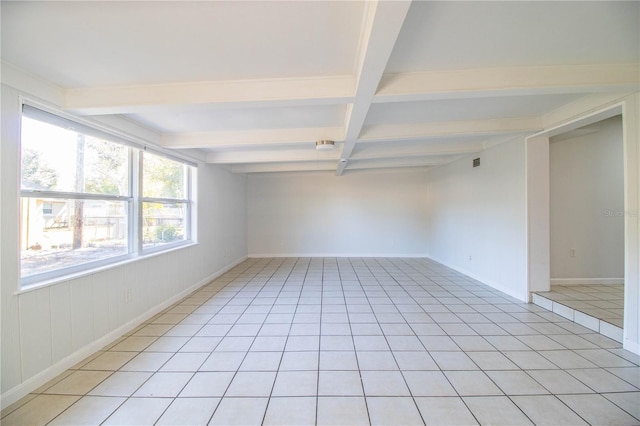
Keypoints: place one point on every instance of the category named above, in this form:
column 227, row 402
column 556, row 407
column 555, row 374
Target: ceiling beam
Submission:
column 246, row 138
column 236, row 93
column 284, row 167
column 382, row 25
column 426, row 131
column 271, row 156
column 511, row 81
column 435, row 151
column 382, row 163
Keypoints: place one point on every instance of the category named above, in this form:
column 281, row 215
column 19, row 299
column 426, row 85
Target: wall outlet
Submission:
column 470, row 258
column 127, row 295
column 572, row 252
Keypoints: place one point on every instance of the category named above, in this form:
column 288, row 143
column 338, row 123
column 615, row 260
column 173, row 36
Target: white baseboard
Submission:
column 279, row 255
column 499, row 287
column 34, row 382
column 631, row 346
column 586, row 281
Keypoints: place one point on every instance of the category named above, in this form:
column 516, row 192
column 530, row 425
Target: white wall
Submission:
column 587, row 204
column 360, row 214
column 45, row 331
column 477, row 222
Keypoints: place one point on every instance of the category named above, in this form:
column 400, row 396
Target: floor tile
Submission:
column 269, row 344
column 376, row 360
column 428, row 383
column 339, row 383
column 240, row 411
column 261, row 361
column 496, row 410
column 292, row 361
column 393, row 411
column 187, row 362
column 559, row 382
column 88, row 410
column 492, row 361
column 595, row 409
column 453, row 361
column 167, row 344
column 201, row 344
column 121, row 383
column 338, row 360
column 134, row 344
column 251, row 383
column 295, row 383
column 109, row 361
column 445, row 411
column 303, row 343
column 547, row 410
column 384, row 383
column 207, row 384
column 167, row 385
column 516, row 383
column 531, row 360
column 291, row 411
column 147, row 361
column 472, row 383
column 415, row 360
column 189, row 411
column 223, row 361
column 342, row 411
column 601, row 380
column 78, row 383
column 40, row 410
column 567, row 359
column 338, row 343
column 628, row 401
column 138, row 411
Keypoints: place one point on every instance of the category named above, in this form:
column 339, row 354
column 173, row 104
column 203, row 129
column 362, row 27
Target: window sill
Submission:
column 90, row 271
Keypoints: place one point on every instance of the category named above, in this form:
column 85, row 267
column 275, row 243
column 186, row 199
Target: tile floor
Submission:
column 346, row 341
column 605, row 302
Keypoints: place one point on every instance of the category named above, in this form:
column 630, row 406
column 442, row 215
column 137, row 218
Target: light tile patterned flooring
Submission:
column 605, row 302
column 346, row 341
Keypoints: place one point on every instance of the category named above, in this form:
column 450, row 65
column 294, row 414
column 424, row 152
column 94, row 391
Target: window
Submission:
column 165, row 203
column 90, row 198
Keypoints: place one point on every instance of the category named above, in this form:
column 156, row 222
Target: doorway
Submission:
column 586, row 188
column 539, row 218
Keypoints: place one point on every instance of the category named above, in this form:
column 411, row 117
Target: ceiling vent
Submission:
column 325, row 145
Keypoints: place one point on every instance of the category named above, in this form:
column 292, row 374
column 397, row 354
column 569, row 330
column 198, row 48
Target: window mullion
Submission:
column 138, row 173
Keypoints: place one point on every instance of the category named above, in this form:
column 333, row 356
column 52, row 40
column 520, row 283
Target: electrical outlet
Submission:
column 572, row 252
column 127, row 295
column 470, row 258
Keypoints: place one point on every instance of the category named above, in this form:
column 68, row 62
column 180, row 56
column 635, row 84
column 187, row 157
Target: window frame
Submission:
column 133, row 201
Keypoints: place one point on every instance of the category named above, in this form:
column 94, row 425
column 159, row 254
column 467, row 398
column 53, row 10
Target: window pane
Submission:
column 57, row 240
column 163, row 223
column 163, row 178
column 59, row 159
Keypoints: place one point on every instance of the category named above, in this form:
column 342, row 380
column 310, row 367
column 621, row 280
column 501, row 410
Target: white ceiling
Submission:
column 396, row 84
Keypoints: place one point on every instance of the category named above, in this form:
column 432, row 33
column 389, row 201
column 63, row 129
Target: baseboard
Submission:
column 586, row 281
column 340, row 255
column 496, row 286
column 631, row 346
column 34, row 382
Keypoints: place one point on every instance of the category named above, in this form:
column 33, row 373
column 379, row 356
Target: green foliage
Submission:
column 163, row 178
column 36, row 174
column 167, row 233
column 106, row 168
